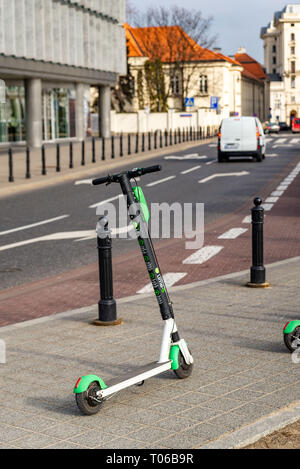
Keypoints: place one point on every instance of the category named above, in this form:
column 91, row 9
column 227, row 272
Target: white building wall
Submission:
column 63, row 33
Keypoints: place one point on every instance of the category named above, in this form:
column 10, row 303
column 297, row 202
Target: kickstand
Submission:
column 139, row 385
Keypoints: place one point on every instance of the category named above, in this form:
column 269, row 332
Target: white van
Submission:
column 241, row 136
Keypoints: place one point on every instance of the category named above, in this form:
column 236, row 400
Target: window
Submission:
column 274, row 70
column 274, row 49
column 292, row 25
column 293, row 99
column 293, row 82
column 293, row 66
column 277, row 104
column 203, row 84
column 274, row 60
column 293, row 50
column 175, row 84
column 292, row 36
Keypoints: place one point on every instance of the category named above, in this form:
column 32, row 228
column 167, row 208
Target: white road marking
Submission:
column 170, row 280
column 247, row 219
column 114, row 232
column 281, row 188
column 212, row 145
column 194, row 156
column 203, row 255
column 268, row 207
column 33, row 225
column 272, row 155
column 211, row 162
column 233, row 233
column 213, row 176
column 187, row 171
column 287, row 145
column 155, row 183
column 98, row 204
column 271, row 200
column 277, row 193
column 84, row 181
column 295, row 141
column 52, row 237
column 281, row 140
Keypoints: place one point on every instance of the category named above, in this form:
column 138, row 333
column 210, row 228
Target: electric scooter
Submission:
column 291, row 335
column 91, row 391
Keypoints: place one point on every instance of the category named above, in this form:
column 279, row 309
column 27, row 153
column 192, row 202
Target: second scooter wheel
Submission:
column 184, row 370
column 88, row 402
column 291, row 340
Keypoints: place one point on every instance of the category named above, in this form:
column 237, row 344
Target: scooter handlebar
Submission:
column 131, row 174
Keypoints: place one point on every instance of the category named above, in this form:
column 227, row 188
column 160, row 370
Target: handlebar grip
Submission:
column 152, row 169
column 97, row 182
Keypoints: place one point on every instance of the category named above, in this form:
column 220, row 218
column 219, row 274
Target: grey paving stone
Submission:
column 149, row 435
column 92, row 438
column 10, row 434
column 184, row 440
column 36, row 441
column 123, row 443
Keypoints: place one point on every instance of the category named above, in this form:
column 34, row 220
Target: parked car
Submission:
column 271, row 127
column 241, row 136
column 296, row 125
column 283, row 126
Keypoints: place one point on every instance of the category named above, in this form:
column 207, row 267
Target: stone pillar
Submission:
column 80, row 125
column 33, row 99
column 104, row 111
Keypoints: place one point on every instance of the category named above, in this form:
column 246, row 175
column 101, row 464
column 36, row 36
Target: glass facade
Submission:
column 58, row 113
column 12, row 115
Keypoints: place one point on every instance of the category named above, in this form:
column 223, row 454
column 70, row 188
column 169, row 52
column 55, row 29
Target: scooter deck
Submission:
column 137, row 376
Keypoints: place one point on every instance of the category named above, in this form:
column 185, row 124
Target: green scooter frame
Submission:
column 91, row 391
column 291, row 335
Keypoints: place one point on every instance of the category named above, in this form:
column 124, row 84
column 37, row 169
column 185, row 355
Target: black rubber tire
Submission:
column 184, row 371
column 290, row 338
column 259, row 157
column 221, row 158
column 85, row 404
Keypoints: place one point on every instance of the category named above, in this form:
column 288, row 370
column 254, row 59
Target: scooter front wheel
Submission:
column 292, row 339
column 184, row 370
column 88, row 402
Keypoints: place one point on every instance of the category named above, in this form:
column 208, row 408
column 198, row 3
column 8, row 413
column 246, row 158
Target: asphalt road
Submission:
column 179, row 183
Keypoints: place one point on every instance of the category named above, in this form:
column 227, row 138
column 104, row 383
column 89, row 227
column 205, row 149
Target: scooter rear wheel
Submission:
column 289, row 339
column 184, row 370
column 88, row 402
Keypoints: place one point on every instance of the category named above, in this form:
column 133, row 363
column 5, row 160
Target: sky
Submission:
column 237, row 23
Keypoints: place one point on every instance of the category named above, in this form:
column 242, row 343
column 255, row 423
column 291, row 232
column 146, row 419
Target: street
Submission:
column 48, row 244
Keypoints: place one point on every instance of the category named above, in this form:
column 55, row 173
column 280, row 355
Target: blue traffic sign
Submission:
column 189, row 102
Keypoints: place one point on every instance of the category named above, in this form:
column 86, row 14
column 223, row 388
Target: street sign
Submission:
column 189, row 102
column 2, row 92
column 214, row 102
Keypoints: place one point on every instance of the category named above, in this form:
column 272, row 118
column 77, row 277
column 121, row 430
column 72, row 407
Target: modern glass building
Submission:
column 51, row 53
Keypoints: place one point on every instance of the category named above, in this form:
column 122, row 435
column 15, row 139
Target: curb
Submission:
column 255, row 431
column 16, row 188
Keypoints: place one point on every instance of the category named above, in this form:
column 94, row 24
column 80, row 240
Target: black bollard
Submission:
column 71, row 163
column 166, row 138
column 160, row 139
column 258, row 271
column 28, row 175
column 171, row 137
column 44, row 169
column 103, row 149
column 83, row 153
column 57, row 158
column 137, row 143
column 10, row 166
column 121, row 145
column 143, row 142
column 129, row 145
column 113, row 147
column 93, row 150
column 155, row 140
column 107, row 306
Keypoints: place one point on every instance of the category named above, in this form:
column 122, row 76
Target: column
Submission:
column 80, row 125
column 104, row 111
column 34, row 112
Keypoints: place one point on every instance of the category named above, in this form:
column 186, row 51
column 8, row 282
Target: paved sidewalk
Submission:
column 242, row 369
